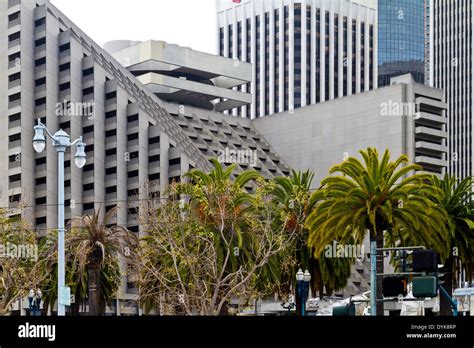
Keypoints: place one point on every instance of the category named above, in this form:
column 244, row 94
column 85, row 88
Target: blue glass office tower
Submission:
column 401, row 39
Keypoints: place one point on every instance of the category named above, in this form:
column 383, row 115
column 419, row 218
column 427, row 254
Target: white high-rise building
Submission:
column 451, row 42
column 302, row 51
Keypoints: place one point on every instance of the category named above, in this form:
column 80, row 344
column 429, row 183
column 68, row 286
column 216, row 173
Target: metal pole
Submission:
column 61, row 262
column 452, row 302
column 303, row 302
column 404, row 260
column 373, row 278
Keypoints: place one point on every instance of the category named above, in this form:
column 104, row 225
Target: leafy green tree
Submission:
column 206, row 244
column 456, row 198
column 379, row 196
column 292, row 195
column 18, row 260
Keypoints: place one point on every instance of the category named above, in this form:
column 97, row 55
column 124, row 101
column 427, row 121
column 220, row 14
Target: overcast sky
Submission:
column 190, row 23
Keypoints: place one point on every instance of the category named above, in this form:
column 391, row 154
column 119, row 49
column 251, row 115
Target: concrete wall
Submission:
column 319, row 136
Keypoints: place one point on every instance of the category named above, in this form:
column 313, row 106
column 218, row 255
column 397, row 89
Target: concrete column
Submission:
column 322, row 68
column 122, row 196
column 261, row 43
column 376, row 51
column 142, row 160
column 184, row 164
column 235, row 46
column 313, row 53
column 332, row 51
column 52, row 122
column 4, row 112
column 271, row 109
column 99, row 140
column 291, row 57
column 281, row 58
column 226, row 36
column 340, row 54
column 303, row 54
column 358, row 56
column 349, row 51
column 76, row 207
column 367, row 52
column 245, row 109
column 164, row 163
column 253, row 44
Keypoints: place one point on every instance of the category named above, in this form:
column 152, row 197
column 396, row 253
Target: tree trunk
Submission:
column 94, row 288
column 317, row 284
column 379, row 269
column 444, row 305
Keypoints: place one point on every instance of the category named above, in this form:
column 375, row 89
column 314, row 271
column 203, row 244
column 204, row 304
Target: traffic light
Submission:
column 393, row 286
column 426, row 286
column 347, row 310
column 425, row 261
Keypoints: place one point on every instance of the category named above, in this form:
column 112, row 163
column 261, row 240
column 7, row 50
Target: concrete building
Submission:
column 136, row 143
column 185, row 76
column 406, row 118
column 302, row 52
column 451, row 69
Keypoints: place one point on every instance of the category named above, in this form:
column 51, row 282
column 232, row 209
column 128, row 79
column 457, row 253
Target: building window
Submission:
column 40, row 22
column 132, row 174
column 64, row 67
column 64, row 47
column 88, row 72
column 40, row 61
column 13, row 16
column 14, row 36
column 40, row 42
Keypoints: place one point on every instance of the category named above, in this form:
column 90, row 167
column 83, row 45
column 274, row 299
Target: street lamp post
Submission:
column 303, row 287
column 61, row 141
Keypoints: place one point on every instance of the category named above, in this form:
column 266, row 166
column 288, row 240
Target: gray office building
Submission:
column 406, row 117
column 137, row 144
column 451, row 69
column 182, row 75
column 302, row 52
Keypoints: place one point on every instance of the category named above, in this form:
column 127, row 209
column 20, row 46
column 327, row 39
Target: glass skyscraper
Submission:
column 401, row 39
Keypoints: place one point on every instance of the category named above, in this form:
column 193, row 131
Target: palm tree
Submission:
column 456, row 198
column 376, row 195
column 293, row 197
column 96, row 246
column 110, row 278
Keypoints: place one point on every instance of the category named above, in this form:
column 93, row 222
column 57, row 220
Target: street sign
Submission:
column 65, row 296
column 347, row 310
column 393, row 286
column 426, row 286
column 425, row 261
